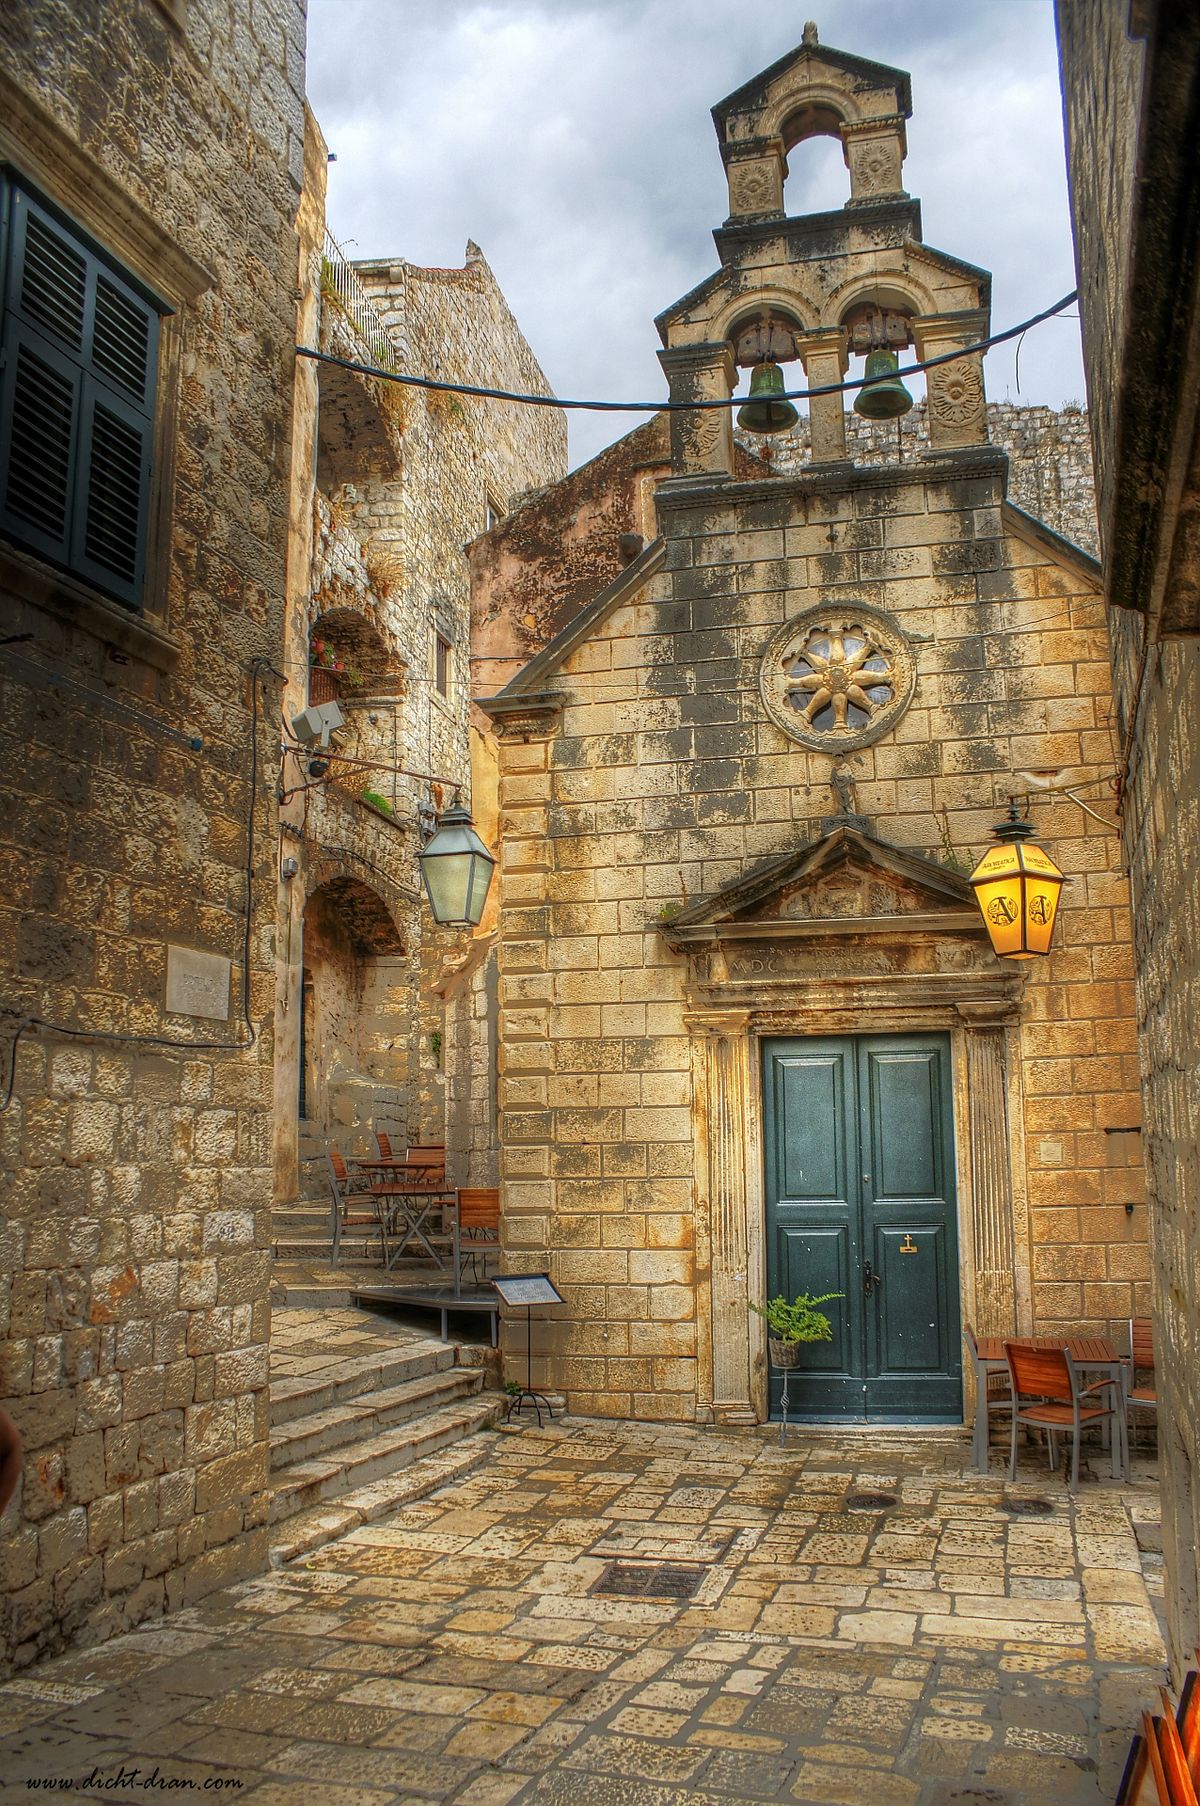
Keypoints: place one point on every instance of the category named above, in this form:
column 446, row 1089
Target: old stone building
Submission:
column 382, row 1020
column 1131, row 83
column 754, row 720
column 151, row 163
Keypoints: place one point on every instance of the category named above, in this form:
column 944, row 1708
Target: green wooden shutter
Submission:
column 76, row 404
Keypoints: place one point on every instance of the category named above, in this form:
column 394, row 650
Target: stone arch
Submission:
column 792, row 110
column 360, row 1020
column 740, row 311
column 897, row 289
column 366, row 659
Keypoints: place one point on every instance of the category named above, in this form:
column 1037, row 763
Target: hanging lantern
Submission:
column 762, row 413
column 1017, row 887
column 457, row 870
column 882, row 396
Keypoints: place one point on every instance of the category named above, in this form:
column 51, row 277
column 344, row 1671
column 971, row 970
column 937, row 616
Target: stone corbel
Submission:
column 826, row 360
column 701, row 442
column 533, row 716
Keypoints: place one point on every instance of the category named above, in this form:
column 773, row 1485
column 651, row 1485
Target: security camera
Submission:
column 314, row 726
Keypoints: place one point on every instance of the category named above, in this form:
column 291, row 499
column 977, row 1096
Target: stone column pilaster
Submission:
column 701, row 442
column 754, row 170
column 992, row 1228
column 957, row 410
column 723, row 1044
column 825, row 360
column 874, row 151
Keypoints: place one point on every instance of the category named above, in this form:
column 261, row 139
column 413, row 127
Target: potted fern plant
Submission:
column 790, row 1325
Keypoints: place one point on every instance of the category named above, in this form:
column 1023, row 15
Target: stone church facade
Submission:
column 754, row 724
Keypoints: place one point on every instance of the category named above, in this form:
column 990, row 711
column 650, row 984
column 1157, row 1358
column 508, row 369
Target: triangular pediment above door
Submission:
column 845, row 882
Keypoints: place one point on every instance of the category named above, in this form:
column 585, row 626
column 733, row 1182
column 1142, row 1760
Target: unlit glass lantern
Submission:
column 1017, row 887
column 457, row 870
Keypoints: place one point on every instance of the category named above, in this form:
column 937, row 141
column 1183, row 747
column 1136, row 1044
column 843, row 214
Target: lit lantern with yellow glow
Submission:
column 1017, row 887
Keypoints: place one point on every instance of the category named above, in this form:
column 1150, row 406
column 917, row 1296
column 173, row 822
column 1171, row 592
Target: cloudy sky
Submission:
column 572, row 140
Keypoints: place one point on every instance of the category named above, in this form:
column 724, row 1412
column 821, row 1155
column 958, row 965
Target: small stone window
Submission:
column 838, row 678
column 441, row 665
column 493, row 513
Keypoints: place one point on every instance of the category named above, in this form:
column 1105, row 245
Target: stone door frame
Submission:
column 993, row 1219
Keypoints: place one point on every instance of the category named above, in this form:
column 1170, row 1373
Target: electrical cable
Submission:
column 23, row 1022
column 674, row 407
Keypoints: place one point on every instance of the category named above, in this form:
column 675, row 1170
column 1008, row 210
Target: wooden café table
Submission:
column 412, row 1191
column 1096, row 1353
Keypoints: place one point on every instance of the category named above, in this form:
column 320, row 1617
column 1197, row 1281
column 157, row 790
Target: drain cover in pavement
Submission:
column 650, row 1580
column 1029, row 1508
column 870, row 1501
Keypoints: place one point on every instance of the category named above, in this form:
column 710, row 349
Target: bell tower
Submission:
column 821, row 290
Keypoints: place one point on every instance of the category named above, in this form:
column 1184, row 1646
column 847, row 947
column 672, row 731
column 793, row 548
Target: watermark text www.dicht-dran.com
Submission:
column 150, row 1780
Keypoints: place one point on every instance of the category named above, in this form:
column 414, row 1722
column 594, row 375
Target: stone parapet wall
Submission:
column 1049, row 453
column 136, row 1249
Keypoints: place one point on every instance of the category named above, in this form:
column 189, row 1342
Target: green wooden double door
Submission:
column 858, row 1133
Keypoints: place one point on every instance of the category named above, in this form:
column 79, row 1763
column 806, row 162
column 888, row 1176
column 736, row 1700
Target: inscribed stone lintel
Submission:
column 718, row 1021
column 197, row 984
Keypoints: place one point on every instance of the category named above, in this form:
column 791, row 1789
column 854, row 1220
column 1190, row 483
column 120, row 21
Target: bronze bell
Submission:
column 882, row 396
column 762, row 413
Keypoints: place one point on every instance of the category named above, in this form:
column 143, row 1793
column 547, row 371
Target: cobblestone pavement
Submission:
column 481, row 1648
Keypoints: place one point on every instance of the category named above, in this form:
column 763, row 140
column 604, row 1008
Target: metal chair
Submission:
column 353, row 1205
column 1141, row 1360
column 1048, row 1394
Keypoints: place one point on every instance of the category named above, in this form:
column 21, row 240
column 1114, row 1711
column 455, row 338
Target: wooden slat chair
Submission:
column 383, row 1142
column 1162, row 1764
column 1166, row 1759
column 1048, row 1395
column 1141, row 1397
column 994, row 1393
column 476, row 1228
column 353, row 1205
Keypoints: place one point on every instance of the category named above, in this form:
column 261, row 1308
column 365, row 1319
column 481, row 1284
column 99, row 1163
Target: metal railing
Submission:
column 341, row 287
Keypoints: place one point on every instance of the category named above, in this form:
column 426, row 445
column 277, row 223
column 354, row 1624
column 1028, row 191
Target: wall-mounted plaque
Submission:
column 528, row 1288
column 197, row 984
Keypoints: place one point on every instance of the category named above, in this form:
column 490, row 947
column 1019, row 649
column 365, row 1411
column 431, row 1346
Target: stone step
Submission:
column 311, row 1529
column 360, row 1465
column 328, row 1430
column 337, row 1382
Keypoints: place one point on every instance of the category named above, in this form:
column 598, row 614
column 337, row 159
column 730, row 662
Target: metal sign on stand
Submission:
column 528, row 1289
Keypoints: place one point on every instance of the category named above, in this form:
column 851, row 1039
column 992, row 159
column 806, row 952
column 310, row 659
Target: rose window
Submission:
column 836, row 680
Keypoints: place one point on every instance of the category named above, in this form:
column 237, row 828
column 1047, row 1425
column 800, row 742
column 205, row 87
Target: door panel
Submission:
column 860, row 1200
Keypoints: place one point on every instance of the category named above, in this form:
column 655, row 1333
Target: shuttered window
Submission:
column 77, row 387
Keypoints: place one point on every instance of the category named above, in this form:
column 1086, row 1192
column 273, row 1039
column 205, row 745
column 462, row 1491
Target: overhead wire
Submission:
column 672, row 407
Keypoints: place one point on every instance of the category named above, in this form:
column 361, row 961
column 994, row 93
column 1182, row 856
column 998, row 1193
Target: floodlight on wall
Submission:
column 457, row 871
column 315, row 725
column 1017, row 887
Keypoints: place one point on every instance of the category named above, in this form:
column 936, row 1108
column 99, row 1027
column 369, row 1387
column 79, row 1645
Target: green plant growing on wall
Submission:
column 435, row 1048
column 949, row 856
column 377, row 801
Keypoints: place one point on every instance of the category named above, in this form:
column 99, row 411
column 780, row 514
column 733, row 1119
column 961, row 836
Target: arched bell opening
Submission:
column 766, row 355
column 879, row 341
column 815, row 177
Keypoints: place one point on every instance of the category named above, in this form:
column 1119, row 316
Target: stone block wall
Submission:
column 402, row 482
column 664, row 779
column 1124, row 71
column 133, row 1222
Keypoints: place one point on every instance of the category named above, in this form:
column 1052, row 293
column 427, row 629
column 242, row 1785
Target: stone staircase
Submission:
column 359, row 1434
